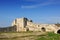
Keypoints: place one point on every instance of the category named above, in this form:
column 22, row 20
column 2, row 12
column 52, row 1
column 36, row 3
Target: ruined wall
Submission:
column 8, row 29
column 41, row 27
column 32, row 26
column 23, row 24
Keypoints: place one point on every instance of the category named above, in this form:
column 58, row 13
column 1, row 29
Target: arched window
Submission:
column 43, row 29
column 27, row 29
column 58, row 31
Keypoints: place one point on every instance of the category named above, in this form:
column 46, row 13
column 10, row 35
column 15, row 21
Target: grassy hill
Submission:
column 49, row 36
column 29, row 36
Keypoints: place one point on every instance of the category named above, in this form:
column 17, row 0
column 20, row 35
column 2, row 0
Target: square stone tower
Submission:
column 20, row 24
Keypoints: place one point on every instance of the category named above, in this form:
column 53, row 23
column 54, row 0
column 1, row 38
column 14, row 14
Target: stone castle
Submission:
column 24, row 24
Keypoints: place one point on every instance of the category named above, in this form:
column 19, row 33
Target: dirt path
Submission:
column 21, row 36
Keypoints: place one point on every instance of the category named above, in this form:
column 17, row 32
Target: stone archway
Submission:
column 43, row 29
column 58, row 31
column 27, row 29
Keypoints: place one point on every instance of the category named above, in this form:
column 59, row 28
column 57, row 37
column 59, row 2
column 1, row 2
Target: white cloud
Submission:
column 38, row 5
column 49, row 2
column 28, row 6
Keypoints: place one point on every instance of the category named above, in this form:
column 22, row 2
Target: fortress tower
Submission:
column 20, row 24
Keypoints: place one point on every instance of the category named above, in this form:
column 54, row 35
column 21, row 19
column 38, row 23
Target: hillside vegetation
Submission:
column 29, row 36
column 58, row 25
column 49, row 36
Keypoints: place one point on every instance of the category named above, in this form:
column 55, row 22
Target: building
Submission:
column 24, row 24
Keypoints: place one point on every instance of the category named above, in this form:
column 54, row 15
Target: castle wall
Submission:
column 23, row 24
column 32, row 26
column 8, row 29
column 38, row 27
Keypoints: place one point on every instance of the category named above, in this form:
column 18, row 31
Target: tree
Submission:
column 57, row 24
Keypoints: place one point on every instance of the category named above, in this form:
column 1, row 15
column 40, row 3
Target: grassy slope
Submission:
column 20, row 35
column 50, row 36
column 31, row 36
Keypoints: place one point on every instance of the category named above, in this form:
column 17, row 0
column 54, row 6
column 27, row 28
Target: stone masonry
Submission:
column 23, row 24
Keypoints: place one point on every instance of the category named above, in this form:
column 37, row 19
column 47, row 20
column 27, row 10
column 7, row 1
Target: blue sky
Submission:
column 40, row 11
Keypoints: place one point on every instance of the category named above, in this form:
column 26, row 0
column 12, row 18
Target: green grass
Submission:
column 18, row 32
column 31, row 35
column 50, row 36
